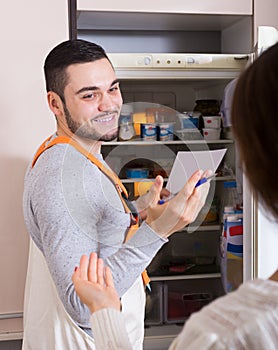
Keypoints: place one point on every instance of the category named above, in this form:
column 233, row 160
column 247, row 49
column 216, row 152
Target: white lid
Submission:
column 192, row 114
column 127, row 109
column 181, row 115
column 229, row 209
column 232, row 218
column 211, row 116
column 193, row 130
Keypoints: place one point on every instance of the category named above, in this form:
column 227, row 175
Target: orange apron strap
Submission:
column 146, row 279
column 109, row 173
column 67, row 140
column 41, row 149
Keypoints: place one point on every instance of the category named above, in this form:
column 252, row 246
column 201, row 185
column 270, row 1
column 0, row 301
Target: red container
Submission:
column 179, row 306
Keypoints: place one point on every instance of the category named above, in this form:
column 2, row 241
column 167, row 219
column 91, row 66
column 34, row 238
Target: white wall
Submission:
column 28, row 30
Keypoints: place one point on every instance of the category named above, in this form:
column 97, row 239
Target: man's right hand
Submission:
column 181, row 210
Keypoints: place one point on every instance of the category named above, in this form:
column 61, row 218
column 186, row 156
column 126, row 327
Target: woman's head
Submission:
column 254, row 120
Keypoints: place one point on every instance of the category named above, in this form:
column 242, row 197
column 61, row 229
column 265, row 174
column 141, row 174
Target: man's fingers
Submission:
column 156, row 189
column 188, row 202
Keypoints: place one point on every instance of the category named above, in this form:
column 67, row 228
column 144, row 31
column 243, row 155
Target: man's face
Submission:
column 93, row 100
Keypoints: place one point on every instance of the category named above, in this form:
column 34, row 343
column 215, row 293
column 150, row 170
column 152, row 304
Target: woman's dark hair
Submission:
column 65, row 54
column 254, row 120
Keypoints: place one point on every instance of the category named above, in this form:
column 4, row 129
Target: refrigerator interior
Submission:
column 188, row 266
column 178, row 95
column 186, row 272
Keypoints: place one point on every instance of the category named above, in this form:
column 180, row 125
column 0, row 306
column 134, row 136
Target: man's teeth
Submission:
column 104, row 119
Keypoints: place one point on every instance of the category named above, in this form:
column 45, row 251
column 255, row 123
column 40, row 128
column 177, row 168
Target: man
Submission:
column 74, row 204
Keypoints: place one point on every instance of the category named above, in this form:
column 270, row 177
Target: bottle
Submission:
column 231, row 240
column 127, row 131
column 229, row 198
column 229, row 203
column 126, row 126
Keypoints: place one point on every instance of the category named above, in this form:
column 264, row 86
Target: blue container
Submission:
column 140, row 173
column 189, row 120
column 149, row 132
column 165, row 131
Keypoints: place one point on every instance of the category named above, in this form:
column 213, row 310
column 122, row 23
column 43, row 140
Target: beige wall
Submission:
column 28, row 30
column 265, row 14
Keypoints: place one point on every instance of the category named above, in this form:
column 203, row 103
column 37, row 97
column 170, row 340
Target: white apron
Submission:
column 47, row 325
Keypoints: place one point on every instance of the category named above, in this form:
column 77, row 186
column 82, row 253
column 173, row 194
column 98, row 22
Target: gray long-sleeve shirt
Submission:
column 71, row 208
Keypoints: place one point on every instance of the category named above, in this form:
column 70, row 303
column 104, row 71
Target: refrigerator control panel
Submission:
column 178, row 61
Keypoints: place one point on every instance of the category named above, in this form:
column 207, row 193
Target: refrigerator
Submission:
column 163, row 82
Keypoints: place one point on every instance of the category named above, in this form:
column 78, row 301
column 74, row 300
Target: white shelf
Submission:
column 202, row 228
column 99, row 18
column 154, row 143
column 163, row 331
column 185, row 277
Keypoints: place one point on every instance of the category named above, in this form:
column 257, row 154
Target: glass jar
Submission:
column 127, row 131
column 207, row 107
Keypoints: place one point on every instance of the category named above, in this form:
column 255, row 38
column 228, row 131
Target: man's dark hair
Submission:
column 65, row 54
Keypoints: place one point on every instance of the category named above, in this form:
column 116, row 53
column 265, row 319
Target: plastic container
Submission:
column 137, row 173
column 189, row 134
column 189, row 120
column 154, row 305
column 165, row 131
column 231, row 249
column 230, row 197
column 212, row 122
column 211, row 134
column 148, row 132
column 235, row 234
column 178, row 306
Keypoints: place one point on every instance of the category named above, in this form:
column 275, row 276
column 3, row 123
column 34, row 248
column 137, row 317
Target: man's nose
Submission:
column 105, row 102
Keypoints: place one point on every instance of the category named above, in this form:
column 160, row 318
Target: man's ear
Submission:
column 55, row 103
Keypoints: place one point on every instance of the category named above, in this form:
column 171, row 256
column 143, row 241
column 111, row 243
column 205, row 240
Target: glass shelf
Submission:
column 140, row 142
column 186, row 277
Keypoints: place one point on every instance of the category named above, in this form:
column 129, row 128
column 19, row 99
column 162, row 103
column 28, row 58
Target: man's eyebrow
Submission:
column 94, row 88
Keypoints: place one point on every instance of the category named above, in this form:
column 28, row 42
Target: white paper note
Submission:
column 187, row 162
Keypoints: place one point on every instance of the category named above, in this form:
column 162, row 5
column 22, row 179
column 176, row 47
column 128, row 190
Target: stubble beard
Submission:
column 84, row 131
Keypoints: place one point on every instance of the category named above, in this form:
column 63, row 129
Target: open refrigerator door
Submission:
column 267, row 36
column 263, row 240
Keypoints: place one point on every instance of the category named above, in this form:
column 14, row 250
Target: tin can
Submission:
column 165, row 131
column 148, row 132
